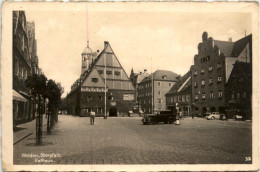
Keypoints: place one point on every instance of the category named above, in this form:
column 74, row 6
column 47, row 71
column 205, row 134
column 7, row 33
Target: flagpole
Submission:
column 105, row 115
column 152, row 81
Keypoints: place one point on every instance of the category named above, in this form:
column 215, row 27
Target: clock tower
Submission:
column 87, row 57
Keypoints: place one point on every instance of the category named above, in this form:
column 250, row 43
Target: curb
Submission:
column 22, row 138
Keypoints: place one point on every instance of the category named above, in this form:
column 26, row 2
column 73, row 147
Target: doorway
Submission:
column 113, row 111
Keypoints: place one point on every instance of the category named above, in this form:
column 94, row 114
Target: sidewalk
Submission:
column 24, row 130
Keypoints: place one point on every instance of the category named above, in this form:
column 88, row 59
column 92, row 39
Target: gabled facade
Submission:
column 212, row 68
column 101, row 73
column 179, row 96
column 239, row 91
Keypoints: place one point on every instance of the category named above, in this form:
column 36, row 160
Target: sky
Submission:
column 151, row 40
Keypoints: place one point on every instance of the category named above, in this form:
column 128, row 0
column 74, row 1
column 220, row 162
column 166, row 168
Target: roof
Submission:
column 182, row 84
column 160, row 74
column 233, row 49
column 225, row 47
column 241, row 44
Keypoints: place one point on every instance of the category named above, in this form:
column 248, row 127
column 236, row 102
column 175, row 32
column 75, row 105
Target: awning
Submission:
column 18, row 97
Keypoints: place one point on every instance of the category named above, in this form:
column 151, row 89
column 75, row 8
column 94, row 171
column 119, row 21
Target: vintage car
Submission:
column 215, row 115
column 161, row 116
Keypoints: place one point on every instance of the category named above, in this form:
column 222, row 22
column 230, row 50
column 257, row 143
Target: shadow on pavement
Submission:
column 43, row 144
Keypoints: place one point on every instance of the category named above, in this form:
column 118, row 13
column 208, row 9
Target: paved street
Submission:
column 126, row 141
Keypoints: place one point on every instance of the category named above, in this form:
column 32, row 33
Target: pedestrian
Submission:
column 92, row 117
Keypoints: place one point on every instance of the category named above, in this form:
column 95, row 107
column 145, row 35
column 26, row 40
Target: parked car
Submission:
column 161, row 116
column 238, row 117
column 214, row 115
column 206, row 115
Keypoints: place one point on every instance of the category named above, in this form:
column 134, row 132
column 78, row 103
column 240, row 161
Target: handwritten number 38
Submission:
column 247, row 158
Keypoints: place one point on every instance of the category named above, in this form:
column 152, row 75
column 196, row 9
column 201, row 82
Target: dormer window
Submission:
column 117, row 73
column 210, row 81
column 195, row 84
column 195, row 73
column 164, row 76
column 219, row 66
column 196, row 97
column 202, row 71
column 203, row 96
column 109, row 72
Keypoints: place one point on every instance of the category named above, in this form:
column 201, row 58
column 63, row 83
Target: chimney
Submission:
column 106, row 43
column 230, row 39
column 145, row 70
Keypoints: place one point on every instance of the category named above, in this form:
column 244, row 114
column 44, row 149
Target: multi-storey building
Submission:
column 136, row 78
column 211, row 70
column 239, row 91
column 179, row 96
column 152, row 90
column 102, row 87
column 21, row 69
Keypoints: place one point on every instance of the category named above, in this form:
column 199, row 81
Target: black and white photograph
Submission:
column 130, row 85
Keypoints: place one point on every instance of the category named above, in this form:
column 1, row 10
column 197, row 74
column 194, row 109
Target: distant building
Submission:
column 179, row 95
column 136, row 78
column 239, row 90
column 212, row 68
column 152, row 90
column 21, row 69
column 100, row 73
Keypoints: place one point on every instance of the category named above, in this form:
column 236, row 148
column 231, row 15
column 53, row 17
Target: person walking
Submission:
column 92, row 117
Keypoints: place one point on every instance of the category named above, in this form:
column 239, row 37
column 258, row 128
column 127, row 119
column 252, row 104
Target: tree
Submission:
column 53, row 93
column 37, row 84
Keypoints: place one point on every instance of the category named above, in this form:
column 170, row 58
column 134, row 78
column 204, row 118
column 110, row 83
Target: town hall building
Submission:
column 103, row 86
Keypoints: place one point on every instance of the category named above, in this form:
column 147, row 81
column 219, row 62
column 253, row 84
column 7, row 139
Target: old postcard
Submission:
column 133, row 86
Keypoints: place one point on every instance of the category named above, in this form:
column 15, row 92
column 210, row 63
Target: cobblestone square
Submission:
column 125, row 140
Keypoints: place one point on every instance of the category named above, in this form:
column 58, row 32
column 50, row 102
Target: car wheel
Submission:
column 212, row 117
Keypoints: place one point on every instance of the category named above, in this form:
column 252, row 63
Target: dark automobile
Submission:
column 162, row 116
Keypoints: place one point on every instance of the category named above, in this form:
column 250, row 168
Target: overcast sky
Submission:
column 170, row 39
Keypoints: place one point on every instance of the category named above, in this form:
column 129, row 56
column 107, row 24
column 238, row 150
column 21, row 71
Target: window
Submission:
column 144, row 101
column 164, row 76
column 175, row 99
column 171, row 99
column 195, row 73
column 211, row 96
column 100, row 98
column 128, row 96
column 205, row 49
column 183, row 98
column 95, row 80
column 117, row 73
column 219, row 79
column 100, row 71
column 170, row 84
column 202, row 83
column 89, row 98
column 179, row 98
column 159, row 84
column 20, row 70
column 196, row 97
column 187, row 97
column 109, row 72
column 210, row 81
column 238, row 96
column 203, row 96
column 232, row 96
column 220, row 94
column 25, row 74
column 202, row 71
column 195, row 84
column 16, row 70
column 159, row 92
column 218, row 65
column 210, row 68
column 159, row 100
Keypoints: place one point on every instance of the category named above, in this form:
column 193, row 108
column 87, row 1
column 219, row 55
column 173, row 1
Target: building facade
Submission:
column 102, row 87
column 152, row 90
column 21, row 69
column 212, row 67
column 239, row 91
column 179, row 96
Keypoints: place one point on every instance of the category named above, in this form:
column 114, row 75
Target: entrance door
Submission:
column 113, row 111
